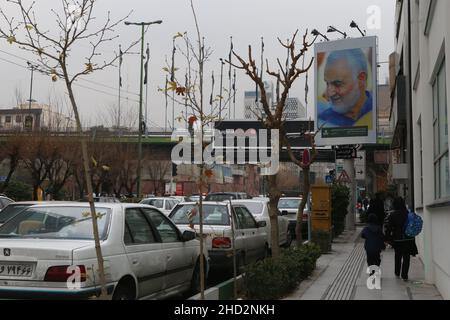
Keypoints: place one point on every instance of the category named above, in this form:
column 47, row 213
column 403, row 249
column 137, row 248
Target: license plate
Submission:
column 20, row 270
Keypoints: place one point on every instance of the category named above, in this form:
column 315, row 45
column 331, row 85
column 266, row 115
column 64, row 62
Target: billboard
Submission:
column 346, row 91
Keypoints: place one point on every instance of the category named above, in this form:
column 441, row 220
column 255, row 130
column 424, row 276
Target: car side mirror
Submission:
column 188, row 235
column 262, row 224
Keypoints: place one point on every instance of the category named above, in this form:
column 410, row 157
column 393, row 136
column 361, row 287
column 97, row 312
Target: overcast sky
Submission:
column 246, row 20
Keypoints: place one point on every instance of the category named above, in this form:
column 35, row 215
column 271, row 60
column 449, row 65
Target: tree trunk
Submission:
column 301, row 208
column 274, row 196
column 12, row 168
column 87, row 175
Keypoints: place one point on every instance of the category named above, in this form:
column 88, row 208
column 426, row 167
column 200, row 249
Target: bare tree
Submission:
column 109, row 118
column 54, row 52
column 274, row 119
column 12, row 151
column 40, row 153
column 191, row 88
column 157, row 171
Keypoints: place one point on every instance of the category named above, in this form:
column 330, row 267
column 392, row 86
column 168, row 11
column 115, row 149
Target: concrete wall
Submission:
column 427, row 53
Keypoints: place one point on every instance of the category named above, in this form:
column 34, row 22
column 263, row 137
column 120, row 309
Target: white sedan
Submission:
column 164, row 204
column 250, row 239
column 259, row 208
column 48, row 251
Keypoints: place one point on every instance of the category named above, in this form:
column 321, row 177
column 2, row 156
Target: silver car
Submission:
column 165, row 204
column 289, row 207
column 259, row 208
column 250, row 237
column 48, row 251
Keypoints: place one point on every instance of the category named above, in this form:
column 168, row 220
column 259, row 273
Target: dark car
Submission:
column 224, row 196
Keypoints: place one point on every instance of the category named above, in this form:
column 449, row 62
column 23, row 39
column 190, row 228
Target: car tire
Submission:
column 124, row 292
column 195, row 281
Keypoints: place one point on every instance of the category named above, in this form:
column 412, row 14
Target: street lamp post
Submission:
column 353, row 24
column 316, row 33
column 333, row 29
column 138, row 174
column 30, row 101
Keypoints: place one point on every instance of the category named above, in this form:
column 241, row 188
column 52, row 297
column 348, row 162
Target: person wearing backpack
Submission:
column 404, row 246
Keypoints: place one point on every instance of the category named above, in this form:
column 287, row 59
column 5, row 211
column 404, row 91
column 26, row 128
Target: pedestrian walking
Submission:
column 376, row 207
column 374, row 241
column 404, row 246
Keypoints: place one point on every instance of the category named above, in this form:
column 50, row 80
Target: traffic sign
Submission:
column 344, row 177
column 346, row 153
column 3, row 178
column 328, row 179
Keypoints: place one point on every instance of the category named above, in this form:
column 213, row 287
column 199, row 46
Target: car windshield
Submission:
column 289, row 203
column 158, row 203
column 56, row 223
column 255, row 208
column 212, row 214
column 10, row 211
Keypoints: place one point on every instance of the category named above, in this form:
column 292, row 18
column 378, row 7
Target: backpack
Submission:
column 413, row 225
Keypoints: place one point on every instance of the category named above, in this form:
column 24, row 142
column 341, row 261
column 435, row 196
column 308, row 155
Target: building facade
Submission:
column 38, row 117
column 420, row 117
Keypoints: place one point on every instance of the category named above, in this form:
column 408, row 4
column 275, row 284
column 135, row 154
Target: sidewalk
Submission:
column 341, row 275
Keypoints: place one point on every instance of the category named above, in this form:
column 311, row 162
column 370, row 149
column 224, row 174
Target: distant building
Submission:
column 38, row 117
column 253, row 108
column 294, row 109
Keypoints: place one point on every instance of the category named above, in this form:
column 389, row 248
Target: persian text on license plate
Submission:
column 16, row 269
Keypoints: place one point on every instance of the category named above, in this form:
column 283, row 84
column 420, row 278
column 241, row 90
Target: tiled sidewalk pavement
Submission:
column 393, row 288
column 341, row 275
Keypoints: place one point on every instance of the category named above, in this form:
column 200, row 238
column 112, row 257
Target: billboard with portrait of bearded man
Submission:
column 346, row 91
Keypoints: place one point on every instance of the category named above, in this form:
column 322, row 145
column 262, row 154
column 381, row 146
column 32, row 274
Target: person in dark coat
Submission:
column 404, row 246
column 376, row 207
column 374, row 244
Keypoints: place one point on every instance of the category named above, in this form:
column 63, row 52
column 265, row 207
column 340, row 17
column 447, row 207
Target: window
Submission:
column 137, row 228
column 18, row 119
column 7, row 119
column 440, row 132
column 421, row 160
column 244, row 218
column 165, row 228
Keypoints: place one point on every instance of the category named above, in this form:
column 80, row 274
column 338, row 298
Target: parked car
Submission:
column 4, row 201
column 165, row 204
column 145, row 254
column 180, row 198
column 260, row 210
column 289, row 207
column 102, row 199
column 250, row 236
column 194, row 198
column 15, row 207
column 223, row 196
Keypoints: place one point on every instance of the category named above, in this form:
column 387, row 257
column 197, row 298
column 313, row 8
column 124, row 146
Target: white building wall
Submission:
column 434, row 242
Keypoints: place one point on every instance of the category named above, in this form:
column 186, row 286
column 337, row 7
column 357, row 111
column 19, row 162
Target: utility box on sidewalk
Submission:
column 321, row 225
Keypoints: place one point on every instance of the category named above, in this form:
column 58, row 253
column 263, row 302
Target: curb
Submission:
column 222, row 291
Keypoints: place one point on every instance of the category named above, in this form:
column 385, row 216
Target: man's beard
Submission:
column 345, row 106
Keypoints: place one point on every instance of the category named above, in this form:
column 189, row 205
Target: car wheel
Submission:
column 195, row 282
column 124, row 292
